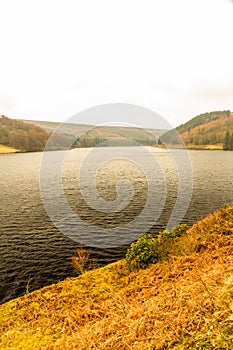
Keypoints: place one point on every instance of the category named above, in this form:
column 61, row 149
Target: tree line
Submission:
column 91, row 141
column 29, row 137
column 228, row 141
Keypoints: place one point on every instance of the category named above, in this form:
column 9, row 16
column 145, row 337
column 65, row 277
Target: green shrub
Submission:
column 179, row 231
column 149, row 250
column 165, row 236
column 142, row 253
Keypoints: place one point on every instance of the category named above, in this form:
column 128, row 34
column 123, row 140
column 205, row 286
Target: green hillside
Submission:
column 206, row 130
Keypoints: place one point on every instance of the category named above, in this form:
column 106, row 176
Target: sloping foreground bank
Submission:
column 184, row 302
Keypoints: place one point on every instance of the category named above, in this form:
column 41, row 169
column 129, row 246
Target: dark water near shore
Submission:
column 35, row 253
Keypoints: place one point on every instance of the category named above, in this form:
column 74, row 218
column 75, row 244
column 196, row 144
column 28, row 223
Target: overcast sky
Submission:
column 60, row 57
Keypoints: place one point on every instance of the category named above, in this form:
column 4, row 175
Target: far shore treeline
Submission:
column 213, row 130
column 33, row 135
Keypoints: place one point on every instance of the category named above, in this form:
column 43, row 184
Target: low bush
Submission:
column 142, row 253
column 149, row 250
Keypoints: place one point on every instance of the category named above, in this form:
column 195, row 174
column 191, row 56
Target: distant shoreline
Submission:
column 192, row 147
column 8, row 150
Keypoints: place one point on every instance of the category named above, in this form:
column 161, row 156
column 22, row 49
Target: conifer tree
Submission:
column 231, row 143
column 226, row 143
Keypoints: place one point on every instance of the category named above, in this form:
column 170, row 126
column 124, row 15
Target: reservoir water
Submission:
column 34, row 253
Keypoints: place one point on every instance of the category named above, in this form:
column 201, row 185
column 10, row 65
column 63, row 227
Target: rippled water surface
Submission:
column 34, row 253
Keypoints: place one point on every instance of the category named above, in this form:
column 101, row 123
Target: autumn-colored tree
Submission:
column 21, row 135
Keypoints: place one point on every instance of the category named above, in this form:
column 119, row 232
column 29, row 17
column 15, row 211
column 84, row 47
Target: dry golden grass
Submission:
column 185, row 302
column 6, row 149
column 218, row 146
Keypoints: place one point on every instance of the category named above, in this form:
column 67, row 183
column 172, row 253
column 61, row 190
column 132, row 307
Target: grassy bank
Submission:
column 6, row 149
column 183, row 302
column 192, row 147
column 206, row 147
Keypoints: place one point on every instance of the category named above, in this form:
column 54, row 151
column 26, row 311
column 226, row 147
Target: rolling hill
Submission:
column 89, row 136
column 28, row 135
column 213, row 130
column 206, row 130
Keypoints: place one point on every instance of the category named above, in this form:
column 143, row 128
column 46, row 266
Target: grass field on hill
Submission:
column 182, row 302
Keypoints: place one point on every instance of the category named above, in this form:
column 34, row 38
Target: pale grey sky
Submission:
column 60, row 57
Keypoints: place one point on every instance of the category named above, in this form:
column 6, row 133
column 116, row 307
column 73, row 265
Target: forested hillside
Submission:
column 22, row 136
column 208, row 129
column 33, row 135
